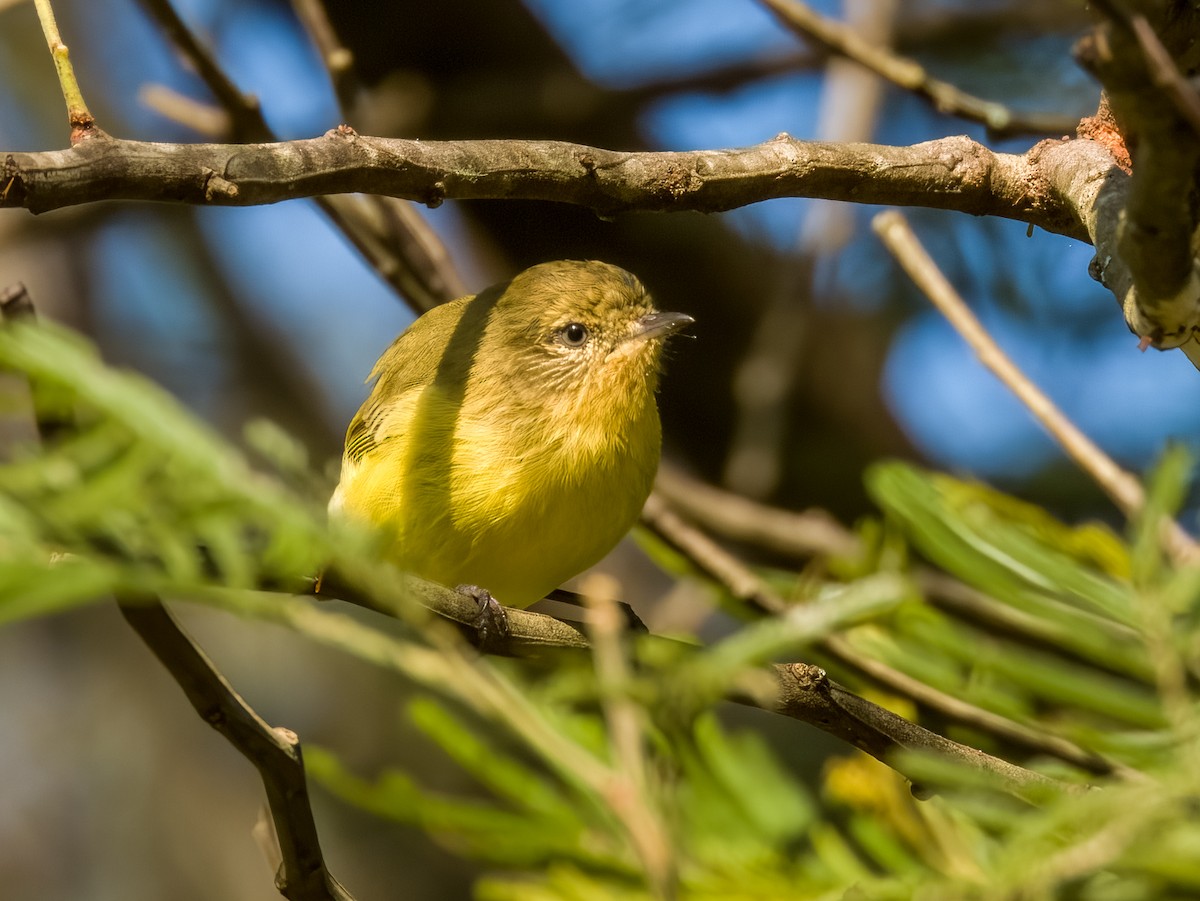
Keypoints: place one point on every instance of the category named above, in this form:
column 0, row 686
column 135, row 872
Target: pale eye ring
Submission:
column 574, row 334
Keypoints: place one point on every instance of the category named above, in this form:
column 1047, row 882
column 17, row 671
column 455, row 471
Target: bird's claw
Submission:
column 491, row 622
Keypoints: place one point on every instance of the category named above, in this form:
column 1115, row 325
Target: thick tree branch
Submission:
column 954, row 173
column 1072, row 187
column 1155, row 221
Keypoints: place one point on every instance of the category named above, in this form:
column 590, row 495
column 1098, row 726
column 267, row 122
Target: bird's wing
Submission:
column 410, row 363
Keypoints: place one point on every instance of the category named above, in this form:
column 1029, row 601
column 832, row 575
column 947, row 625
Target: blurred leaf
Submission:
column 1166, row 489
column 475, row 827
column 506, row 778
column 1005, row 548
column 737, row 804
column 140, row 480
column 29, row 588
column 971, row 533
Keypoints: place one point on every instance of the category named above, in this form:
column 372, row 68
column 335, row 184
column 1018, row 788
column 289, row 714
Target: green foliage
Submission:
column 1072, row 632
column 138, row 482
column 1065, row 634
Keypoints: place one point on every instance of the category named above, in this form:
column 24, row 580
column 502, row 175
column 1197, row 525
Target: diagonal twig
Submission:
column 338, row 59
column 1165, row 73
column 274, row 752
column 803, row 692
column 78, row 116
column 911, row 75
column 400, row 245
column 1122, row 487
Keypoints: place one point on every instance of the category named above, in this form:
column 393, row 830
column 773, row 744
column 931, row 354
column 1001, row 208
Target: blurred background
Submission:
column 813, row 355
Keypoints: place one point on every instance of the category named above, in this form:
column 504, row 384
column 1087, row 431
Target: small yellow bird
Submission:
column 512, row 436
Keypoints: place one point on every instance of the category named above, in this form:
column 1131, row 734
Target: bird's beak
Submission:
column 661, row 325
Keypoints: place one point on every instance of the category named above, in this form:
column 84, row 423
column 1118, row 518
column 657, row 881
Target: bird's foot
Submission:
column 491, row 622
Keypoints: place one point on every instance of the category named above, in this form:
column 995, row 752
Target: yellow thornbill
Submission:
column 512, row 436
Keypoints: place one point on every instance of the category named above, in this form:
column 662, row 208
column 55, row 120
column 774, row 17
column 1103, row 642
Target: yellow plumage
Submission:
column 512, row 436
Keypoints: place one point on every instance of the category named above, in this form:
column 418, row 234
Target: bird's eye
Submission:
column 574, row 334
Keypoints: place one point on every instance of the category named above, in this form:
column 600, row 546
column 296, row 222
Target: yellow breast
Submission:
column 513, row 503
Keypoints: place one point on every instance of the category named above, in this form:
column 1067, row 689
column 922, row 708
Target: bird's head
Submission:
column 581, row 332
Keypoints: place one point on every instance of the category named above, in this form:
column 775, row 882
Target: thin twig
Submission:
column 1124, row 490
column 807, row 693
column 80, row 120
column 338, row 59
column 804, row 692
column 1165, row 73
column 244, row 110
column 387, row 231
column 801, row 534
column 765, row 377
column 405, row 251
column 275, row 752
column 911, row 75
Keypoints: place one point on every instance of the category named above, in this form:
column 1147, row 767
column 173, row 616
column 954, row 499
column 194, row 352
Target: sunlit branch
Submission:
column 954, row 173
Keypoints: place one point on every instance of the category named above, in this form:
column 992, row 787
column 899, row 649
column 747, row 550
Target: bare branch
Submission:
column 907, row 73
column 1153, row 222
column 275, row 753
column 804, row 692
column 952, row 173
column 391, row 237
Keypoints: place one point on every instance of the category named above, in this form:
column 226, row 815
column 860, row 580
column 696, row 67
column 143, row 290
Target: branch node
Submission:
column 435, row 195
column 218, row 188
column 286, row 735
